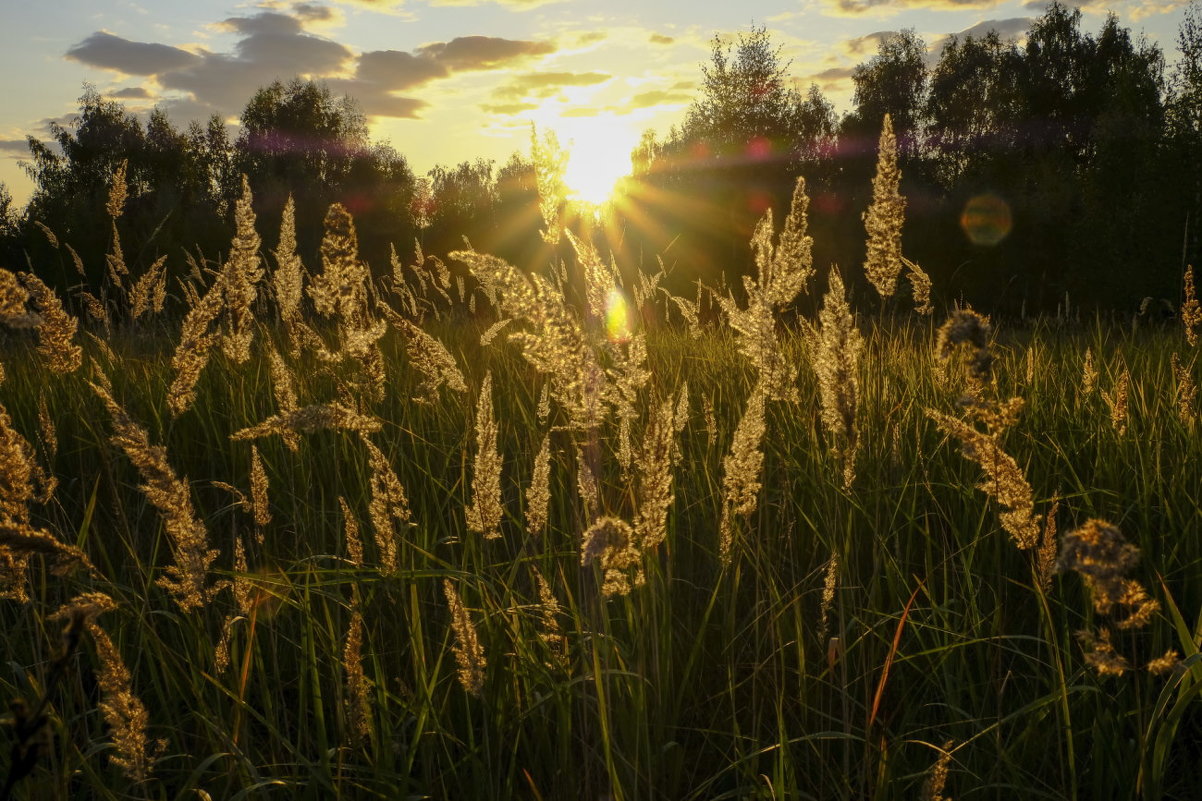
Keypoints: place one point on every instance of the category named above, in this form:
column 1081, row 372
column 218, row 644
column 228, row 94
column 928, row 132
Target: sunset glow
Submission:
column 598, row 156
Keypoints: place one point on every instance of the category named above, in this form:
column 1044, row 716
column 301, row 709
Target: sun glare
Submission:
column 598, row 156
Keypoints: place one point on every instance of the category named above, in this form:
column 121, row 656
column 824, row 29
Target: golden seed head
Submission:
column 611, row 543
column 884, row 218
column 485, row 512
column 538, row 496
column 469, row 654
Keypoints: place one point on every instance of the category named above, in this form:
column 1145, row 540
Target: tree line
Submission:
column 1068, row 165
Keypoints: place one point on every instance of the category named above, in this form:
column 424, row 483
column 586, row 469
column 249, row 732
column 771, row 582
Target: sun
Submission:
column 598, row 157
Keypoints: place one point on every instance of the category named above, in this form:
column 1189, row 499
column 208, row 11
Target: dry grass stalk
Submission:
column 491, row 332
column 920, row 287
column 358, row 685
column 587, row 487
column 288, row 277
column 1089, row 375
column 56, row 330
column 741, row 471
column 755, row 335
column 354, row 542
column 284, row 390
column 186, row 579
column 554, row 344
column 149, row 292
column 654, row 483
column 967, row 331
column 932, row 788
column 78, row 262
column 1100, row 654
column 192, row 353
column 95, row 310
column 260, row 506
column 46, row 430
column 543, row 410
column 781, row 274
column 1005, row 481
column 243, row 270
column 13, row 297
column 17, row 471
column 885, row 217
column 1100, row 553
column 389, row 507
column 550, row 161
column 549, row 612
column 340, row 292
column 317, row 417
column 538, row 496
column 835, row 348
column 117, row 191
column 600, row 279
column 469, row 654
column 1186, row 393
column 690, row 311
column 485, row 511
column 45, row 229
column 1046, row 561
column 115, row 261
column 613, row 545
column 792, row 261
column 123, row 712
column 1191, row 309
column 1166, row 663
column 243, row 593
column 1116, row 399
column 429, row 357
column 830, row 581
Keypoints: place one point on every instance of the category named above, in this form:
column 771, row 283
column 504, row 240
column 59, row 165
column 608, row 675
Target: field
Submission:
column 365, row 540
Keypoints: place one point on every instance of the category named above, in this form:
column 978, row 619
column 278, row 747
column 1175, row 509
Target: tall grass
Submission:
column 414, row 554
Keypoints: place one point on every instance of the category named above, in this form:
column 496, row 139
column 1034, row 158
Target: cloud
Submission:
column 507, row 108
column 866, row 44
column 856, row 8
column 1014, row 27
column 591, row 36
column 1134, row 9
column 516, row 5
column 659, row 97
column 106, row 51
column 130, row 93
column 276, row 43
column 660, row 39
column 15, row 148
column 546, row 84
column 833, row 78
column 483, row 52
column 397, row 69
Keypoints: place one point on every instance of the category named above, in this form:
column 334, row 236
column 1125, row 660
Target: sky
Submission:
column 445, row 81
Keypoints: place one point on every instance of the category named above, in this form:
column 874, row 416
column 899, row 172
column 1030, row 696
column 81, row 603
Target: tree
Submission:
column 1184, row 110
column 299, row 139
column 745, row 100
column 972, row 107
column 893, row 82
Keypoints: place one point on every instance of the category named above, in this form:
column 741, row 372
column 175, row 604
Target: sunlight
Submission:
column 599, row 155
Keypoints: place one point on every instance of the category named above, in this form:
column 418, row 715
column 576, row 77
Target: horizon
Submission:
column 456, row 80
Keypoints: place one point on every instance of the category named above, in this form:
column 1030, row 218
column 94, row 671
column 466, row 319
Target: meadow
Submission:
column 472, row 531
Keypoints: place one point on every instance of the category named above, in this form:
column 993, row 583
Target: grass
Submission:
column 705, row 683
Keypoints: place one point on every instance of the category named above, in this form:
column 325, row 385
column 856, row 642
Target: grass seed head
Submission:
column 469, row 654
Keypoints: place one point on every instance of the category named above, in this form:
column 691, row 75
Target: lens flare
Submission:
column 617, row 316
column 986, row 220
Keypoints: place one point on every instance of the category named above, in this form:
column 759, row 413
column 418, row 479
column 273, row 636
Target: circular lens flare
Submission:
column 986, row 220
column 617, row 316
